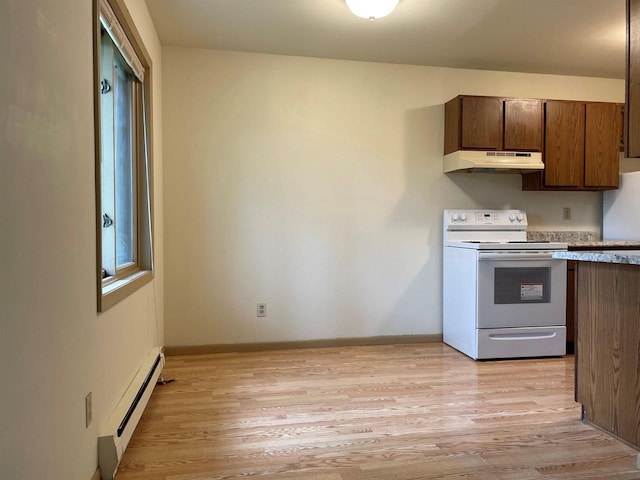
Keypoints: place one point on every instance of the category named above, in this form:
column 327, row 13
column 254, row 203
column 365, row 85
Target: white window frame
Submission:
column 126, row 279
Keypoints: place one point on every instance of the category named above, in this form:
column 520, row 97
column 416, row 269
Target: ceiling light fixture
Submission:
column 371, row 9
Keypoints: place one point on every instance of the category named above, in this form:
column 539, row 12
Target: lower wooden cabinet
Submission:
column 608, row 347
column 572, row 291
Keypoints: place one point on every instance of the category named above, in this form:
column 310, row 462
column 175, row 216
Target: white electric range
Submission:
column 503, row 297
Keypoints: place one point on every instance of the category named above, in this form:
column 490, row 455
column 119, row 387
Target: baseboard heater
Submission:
column 115, row 436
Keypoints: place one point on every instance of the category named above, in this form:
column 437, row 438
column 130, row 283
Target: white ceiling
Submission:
column 568, row 37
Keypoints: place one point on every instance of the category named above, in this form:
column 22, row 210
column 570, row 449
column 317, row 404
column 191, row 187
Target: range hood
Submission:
column 493, row 161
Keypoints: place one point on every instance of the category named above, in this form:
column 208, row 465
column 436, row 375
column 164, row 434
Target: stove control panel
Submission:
column 486, row 219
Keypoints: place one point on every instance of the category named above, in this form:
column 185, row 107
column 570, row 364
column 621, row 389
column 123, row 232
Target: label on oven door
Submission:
column 531, row 291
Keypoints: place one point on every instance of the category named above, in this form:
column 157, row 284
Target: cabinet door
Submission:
column 482, row 123
column 523, row 124
column 608, row 347
column 564, row 144
column 602, row 145
column 632, row 102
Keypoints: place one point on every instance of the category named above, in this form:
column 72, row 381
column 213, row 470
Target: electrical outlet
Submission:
column 261, row 310
column 88, row 410
column 566, row 213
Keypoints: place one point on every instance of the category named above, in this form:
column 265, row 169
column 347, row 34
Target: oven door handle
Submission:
column 521, row 336
column 516, row 256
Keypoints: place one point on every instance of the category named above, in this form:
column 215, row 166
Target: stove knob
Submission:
column 455, row 217
column 512, row 217
column 463, row 216
column 520, row 217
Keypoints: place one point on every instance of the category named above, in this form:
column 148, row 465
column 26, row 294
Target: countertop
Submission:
column 608, row 244
column 567, row 236
column 582, row 240
column 631, row 257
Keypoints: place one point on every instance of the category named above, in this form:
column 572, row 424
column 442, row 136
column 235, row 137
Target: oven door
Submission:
column 521, row 289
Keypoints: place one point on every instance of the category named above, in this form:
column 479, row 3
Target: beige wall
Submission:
column 54, row 347
column 316, row 186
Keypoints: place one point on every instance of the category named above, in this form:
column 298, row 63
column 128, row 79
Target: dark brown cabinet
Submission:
column 564, row 144
column 580, row 141
column 481, row 119
column 572, row 283
column 608, row 347
column 581, row 147
column 492, row 123
column 632, row 81
column 523, row 124
column 603, row 129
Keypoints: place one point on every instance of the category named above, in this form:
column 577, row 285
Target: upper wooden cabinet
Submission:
column 564, row 144
column 632, row 81
column 602, row 145
column 492, row 123
column 481, row 119
column 523, row 124
column 580, row 141
column 581, row 147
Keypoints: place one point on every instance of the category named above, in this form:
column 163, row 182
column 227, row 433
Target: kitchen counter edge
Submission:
column 605, row 245
column 631, row 257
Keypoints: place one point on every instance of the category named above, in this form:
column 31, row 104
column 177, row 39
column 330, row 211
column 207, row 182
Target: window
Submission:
column 123, row 179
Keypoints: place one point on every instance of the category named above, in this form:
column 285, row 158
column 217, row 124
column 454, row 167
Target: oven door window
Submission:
column 521, row 293
column 522, row 285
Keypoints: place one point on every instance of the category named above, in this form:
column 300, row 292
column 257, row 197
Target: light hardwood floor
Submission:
column 403, row 412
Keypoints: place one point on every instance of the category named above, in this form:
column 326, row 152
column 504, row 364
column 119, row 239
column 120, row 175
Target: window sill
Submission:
column 117, row 291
